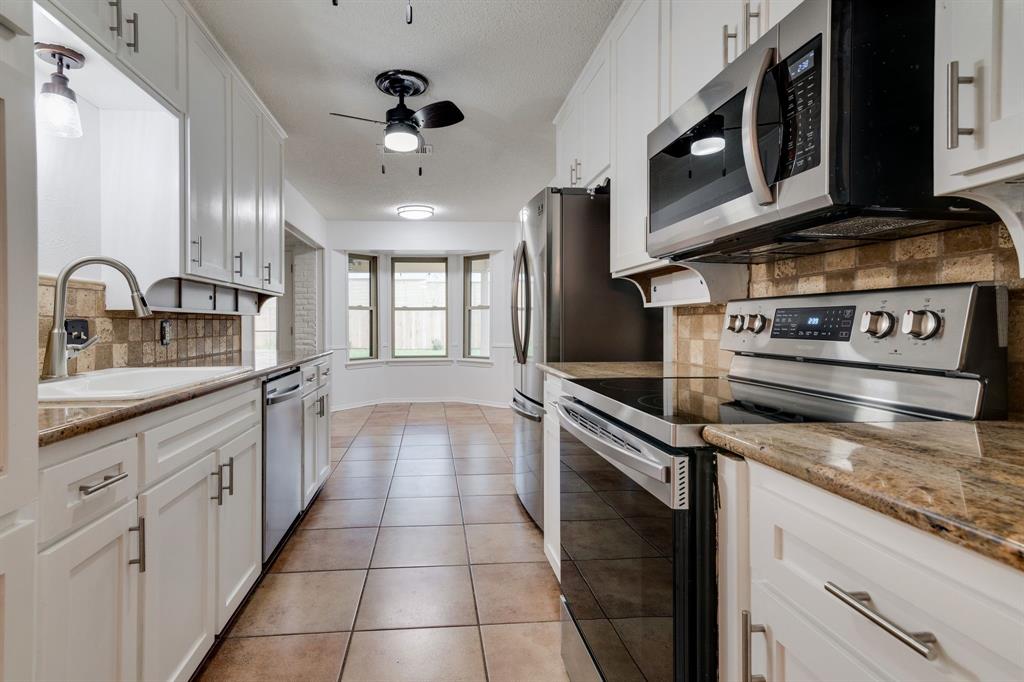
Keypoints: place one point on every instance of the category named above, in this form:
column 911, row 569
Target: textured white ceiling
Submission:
column 508, row 64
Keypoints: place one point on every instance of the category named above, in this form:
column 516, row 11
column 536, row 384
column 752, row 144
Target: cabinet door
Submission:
column 17, row 589
column 310, row 441
column 794, row 649
column 245, row 186
column 88, row 602
column 153, row 45
column 96, row 17
column 636, row 74
column 272, row 214
column 986, row 39
column 323, row 437
column 567, row 146
column 239, row 521
column 705, row 36
column 596, row 134
column 209, row 159
column 178, row 595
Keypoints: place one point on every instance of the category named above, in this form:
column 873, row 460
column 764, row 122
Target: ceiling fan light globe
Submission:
column 401, row 137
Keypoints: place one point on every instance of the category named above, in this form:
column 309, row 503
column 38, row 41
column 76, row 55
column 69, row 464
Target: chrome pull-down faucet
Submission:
column 58, row 350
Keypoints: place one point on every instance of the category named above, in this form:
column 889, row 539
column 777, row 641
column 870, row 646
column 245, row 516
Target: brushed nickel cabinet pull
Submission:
column 727, row 35
column 141, row 530
column 749, row 14
column 134, row 21
column 231, row 475
column 921, row 643
column 199, row 243
column 118, row 17
column 107, row 481
column 239, row 257
column 953, row 82
column 219, row 473
column 267, row 267
column 748, row 629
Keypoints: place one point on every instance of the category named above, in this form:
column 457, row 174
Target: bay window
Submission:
column 477, row 298
column 419, row 295
column 362, row 307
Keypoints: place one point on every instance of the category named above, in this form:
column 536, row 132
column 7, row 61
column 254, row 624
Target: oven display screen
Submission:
column 820, row 324
column 801, row 66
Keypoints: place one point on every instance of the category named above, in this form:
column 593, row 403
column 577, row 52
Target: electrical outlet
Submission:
column 78, row 330
column 165, row 332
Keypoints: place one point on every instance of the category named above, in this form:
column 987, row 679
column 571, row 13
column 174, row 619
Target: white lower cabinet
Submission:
column 88, row 585
column 323, row 437
column 17, row 589
column 239, row 521
column 177, row 597
column 310, row 423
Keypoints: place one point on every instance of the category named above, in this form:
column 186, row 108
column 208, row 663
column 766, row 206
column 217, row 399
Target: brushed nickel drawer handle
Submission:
column 748, row 628
column 107, row 481
column 141, row 530
column 922, row 643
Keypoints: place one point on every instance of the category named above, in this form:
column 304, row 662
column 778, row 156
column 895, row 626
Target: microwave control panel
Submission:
column 799, row 78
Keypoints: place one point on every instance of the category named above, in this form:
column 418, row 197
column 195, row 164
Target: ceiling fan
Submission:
column 403, row 125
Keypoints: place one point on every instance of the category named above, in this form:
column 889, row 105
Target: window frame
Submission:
column 373, row 308
column 467, row 307
column 447, row 306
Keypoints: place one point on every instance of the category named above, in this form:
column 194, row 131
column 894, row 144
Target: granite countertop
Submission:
column 962, row 481
column 60, row 421
column 611, row 370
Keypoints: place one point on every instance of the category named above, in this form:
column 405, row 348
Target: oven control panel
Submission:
column 920, row 327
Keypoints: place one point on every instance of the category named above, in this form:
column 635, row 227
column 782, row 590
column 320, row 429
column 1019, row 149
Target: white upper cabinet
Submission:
column 568, row 139
column 153, row 45
column 636, row 55
column 272, row 213
column 979, row 93
column 705, row 36
column 582, row 131
column 245, row 187
column 99, row 18
column 208, row 148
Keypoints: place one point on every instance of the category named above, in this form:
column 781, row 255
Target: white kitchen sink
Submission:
column 129, row 383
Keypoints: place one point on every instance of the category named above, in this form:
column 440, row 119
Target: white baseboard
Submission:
column 349, row 406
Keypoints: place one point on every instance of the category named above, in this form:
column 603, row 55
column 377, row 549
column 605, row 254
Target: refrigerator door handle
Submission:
column 517, row 339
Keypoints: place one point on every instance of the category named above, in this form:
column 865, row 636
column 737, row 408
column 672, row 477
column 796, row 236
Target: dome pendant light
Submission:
column 57, row 104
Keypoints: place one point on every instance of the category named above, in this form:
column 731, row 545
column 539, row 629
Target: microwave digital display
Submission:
column 834, row 323
column 803, row 65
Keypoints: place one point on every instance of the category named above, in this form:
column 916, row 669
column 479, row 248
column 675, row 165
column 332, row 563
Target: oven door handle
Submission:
column 762, row 191
column 611, row 451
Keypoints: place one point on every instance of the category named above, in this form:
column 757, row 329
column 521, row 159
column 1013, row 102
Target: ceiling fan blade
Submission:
column 358, row 118
column 438, row 115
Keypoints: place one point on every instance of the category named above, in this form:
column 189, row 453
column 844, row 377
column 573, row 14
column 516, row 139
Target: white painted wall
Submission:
column 454, row 379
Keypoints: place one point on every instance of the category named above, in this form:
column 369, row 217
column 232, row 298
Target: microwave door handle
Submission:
column 762, row 191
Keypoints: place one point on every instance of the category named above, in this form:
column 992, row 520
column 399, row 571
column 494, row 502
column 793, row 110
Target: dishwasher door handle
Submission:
column 273, row 397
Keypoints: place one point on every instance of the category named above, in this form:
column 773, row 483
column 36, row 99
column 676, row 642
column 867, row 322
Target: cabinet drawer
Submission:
column 803, row 537
column 82, row 489
column 310, row 378
column 323, row 374
column 170, row 446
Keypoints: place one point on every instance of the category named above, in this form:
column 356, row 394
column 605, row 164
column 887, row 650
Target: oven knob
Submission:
column 756, row 323
column 736, row 323
column 877, row 323
column 921, row 324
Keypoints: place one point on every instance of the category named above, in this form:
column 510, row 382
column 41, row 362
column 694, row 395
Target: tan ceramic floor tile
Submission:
column 441, row 654
column 424, row 452
column 338, row 441
column 483, row 465
column 504, row 543
column 425, row 467
column 337, row 454
column 420, row 546
column 376, row 441
column 485, row 484
column 283, row 658
column 493, row 509
column 422, row 511
column 367, row 468
column 416, row 597
column 516, row 593
column 344, row 514
column 426, row 430
column 383, row 452
column 423, row 486
column 288, row 603
column 355, row 488
column 526, row 651
column 382, row 430
column 326, row 550
column 425, row 439
column 489, row 450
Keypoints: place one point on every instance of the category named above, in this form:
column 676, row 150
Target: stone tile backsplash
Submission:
column 974, row 254
column 129, row 341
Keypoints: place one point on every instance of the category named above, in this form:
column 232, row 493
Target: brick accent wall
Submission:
column 128, row 341
column 974, row 254
column 304, row 288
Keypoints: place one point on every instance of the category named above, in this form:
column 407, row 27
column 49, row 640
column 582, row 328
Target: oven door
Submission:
column 639, row 595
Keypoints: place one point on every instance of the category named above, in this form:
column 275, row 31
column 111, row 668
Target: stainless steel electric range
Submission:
column 638, row 483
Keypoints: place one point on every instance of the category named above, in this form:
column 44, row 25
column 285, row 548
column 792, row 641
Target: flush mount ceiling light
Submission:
column 57, row 105
column 415, row 211
column 709, row 138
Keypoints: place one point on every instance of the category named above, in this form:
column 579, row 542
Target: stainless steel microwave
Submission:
column 817, row 137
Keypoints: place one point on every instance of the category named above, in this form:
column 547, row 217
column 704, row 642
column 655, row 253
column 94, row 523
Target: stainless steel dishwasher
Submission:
column 282, row 457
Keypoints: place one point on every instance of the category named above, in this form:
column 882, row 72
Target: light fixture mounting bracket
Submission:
column 60, row 55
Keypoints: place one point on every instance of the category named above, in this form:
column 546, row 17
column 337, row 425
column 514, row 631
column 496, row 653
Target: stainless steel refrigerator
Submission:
column 566, row 307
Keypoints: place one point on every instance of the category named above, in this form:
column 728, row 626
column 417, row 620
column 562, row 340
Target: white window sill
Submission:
column 420, row 361
column 357, row 364
column 477, row 362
